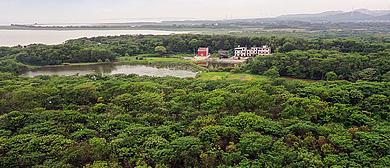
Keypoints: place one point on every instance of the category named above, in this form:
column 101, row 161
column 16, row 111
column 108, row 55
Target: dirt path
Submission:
column 244, row 78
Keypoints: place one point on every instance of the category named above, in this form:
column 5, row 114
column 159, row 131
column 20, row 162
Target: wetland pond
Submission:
column 154, row 69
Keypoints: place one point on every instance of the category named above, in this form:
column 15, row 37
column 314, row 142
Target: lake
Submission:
column 24, row 37
column 156, row 69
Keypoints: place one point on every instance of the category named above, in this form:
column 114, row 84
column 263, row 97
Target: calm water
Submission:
column 25, row 37
column 109, row 69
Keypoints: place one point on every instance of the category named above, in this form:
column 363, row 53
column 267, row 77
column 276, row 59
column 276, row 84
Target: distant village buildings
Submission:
column 253, row 52
column 238, row 52
column 223, row 53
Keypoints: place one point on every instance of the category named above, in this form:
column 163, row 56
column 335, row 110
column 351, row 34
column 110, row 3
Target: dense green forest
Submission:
column 107, row 49
column 130, row 120
column 121, row 120
column 325, row 65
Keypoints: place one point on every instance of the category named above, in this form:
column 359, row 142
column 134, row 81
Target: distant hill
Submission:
column 347, row 17
column 383, row 18
column 373, row 12
column 308, row 16
column 359, row 15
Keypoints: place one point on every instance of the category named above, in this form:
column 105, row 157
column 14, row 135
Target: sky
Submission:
column 100, row 11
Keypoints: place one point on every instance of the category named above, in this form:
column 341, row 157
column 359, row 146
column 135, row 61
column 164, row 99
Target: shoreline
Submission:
column 202, row 70
column 147, row 60
column 70, row 64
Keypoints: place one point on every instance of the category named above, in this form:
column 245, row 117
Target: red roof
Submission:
column 202, row 49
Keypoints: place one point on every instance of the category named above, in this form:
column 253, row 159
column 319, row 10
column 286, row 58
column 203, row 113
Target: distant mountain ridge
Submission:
column 384, row 17
column 305, row 16
column 358, row 15
column 373, row 12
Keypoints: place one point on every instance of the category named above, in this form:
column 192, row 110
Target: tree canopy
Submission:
column 130, row 120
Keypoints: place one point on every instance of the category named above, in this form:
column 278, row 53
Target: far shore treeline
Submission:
column 350, row 59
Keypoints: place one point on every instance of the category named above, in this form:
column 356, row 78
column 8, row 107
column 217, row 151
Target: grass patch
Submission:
column 214, row 75
column 153, row 58
column 229, row 76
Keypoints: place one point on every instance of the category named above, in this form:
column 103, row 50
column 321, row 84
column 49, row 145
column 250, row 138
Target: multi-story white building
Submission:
column 265, row 50
column 240, row 51
column 254, row 51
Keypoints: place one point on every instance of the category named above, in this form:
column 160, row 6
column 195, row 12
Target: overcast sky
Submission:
column 78, row 11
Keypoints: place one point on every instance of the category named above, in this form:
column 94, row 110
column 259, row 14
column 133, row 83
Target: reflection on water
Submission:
column 165, row 69
column 212, row 65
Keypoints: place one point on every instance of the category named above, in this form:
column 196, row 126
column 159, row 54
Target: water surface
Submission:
column 24, row 37
column 110, row 69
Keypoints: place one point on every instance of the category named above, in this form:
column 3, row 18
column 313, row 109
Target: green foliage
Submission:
column 143, row 101
column 142, row 121
column 323, row 65
column 184, row 151
column 302, row 108
column 331, row 76
column 99, row 149
column 11, row 66
column 246, row 120
column 83, row 94
column 272, row 73
column 220, row 135
column 255, row 144
column 161, row 50
column 99, row 108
